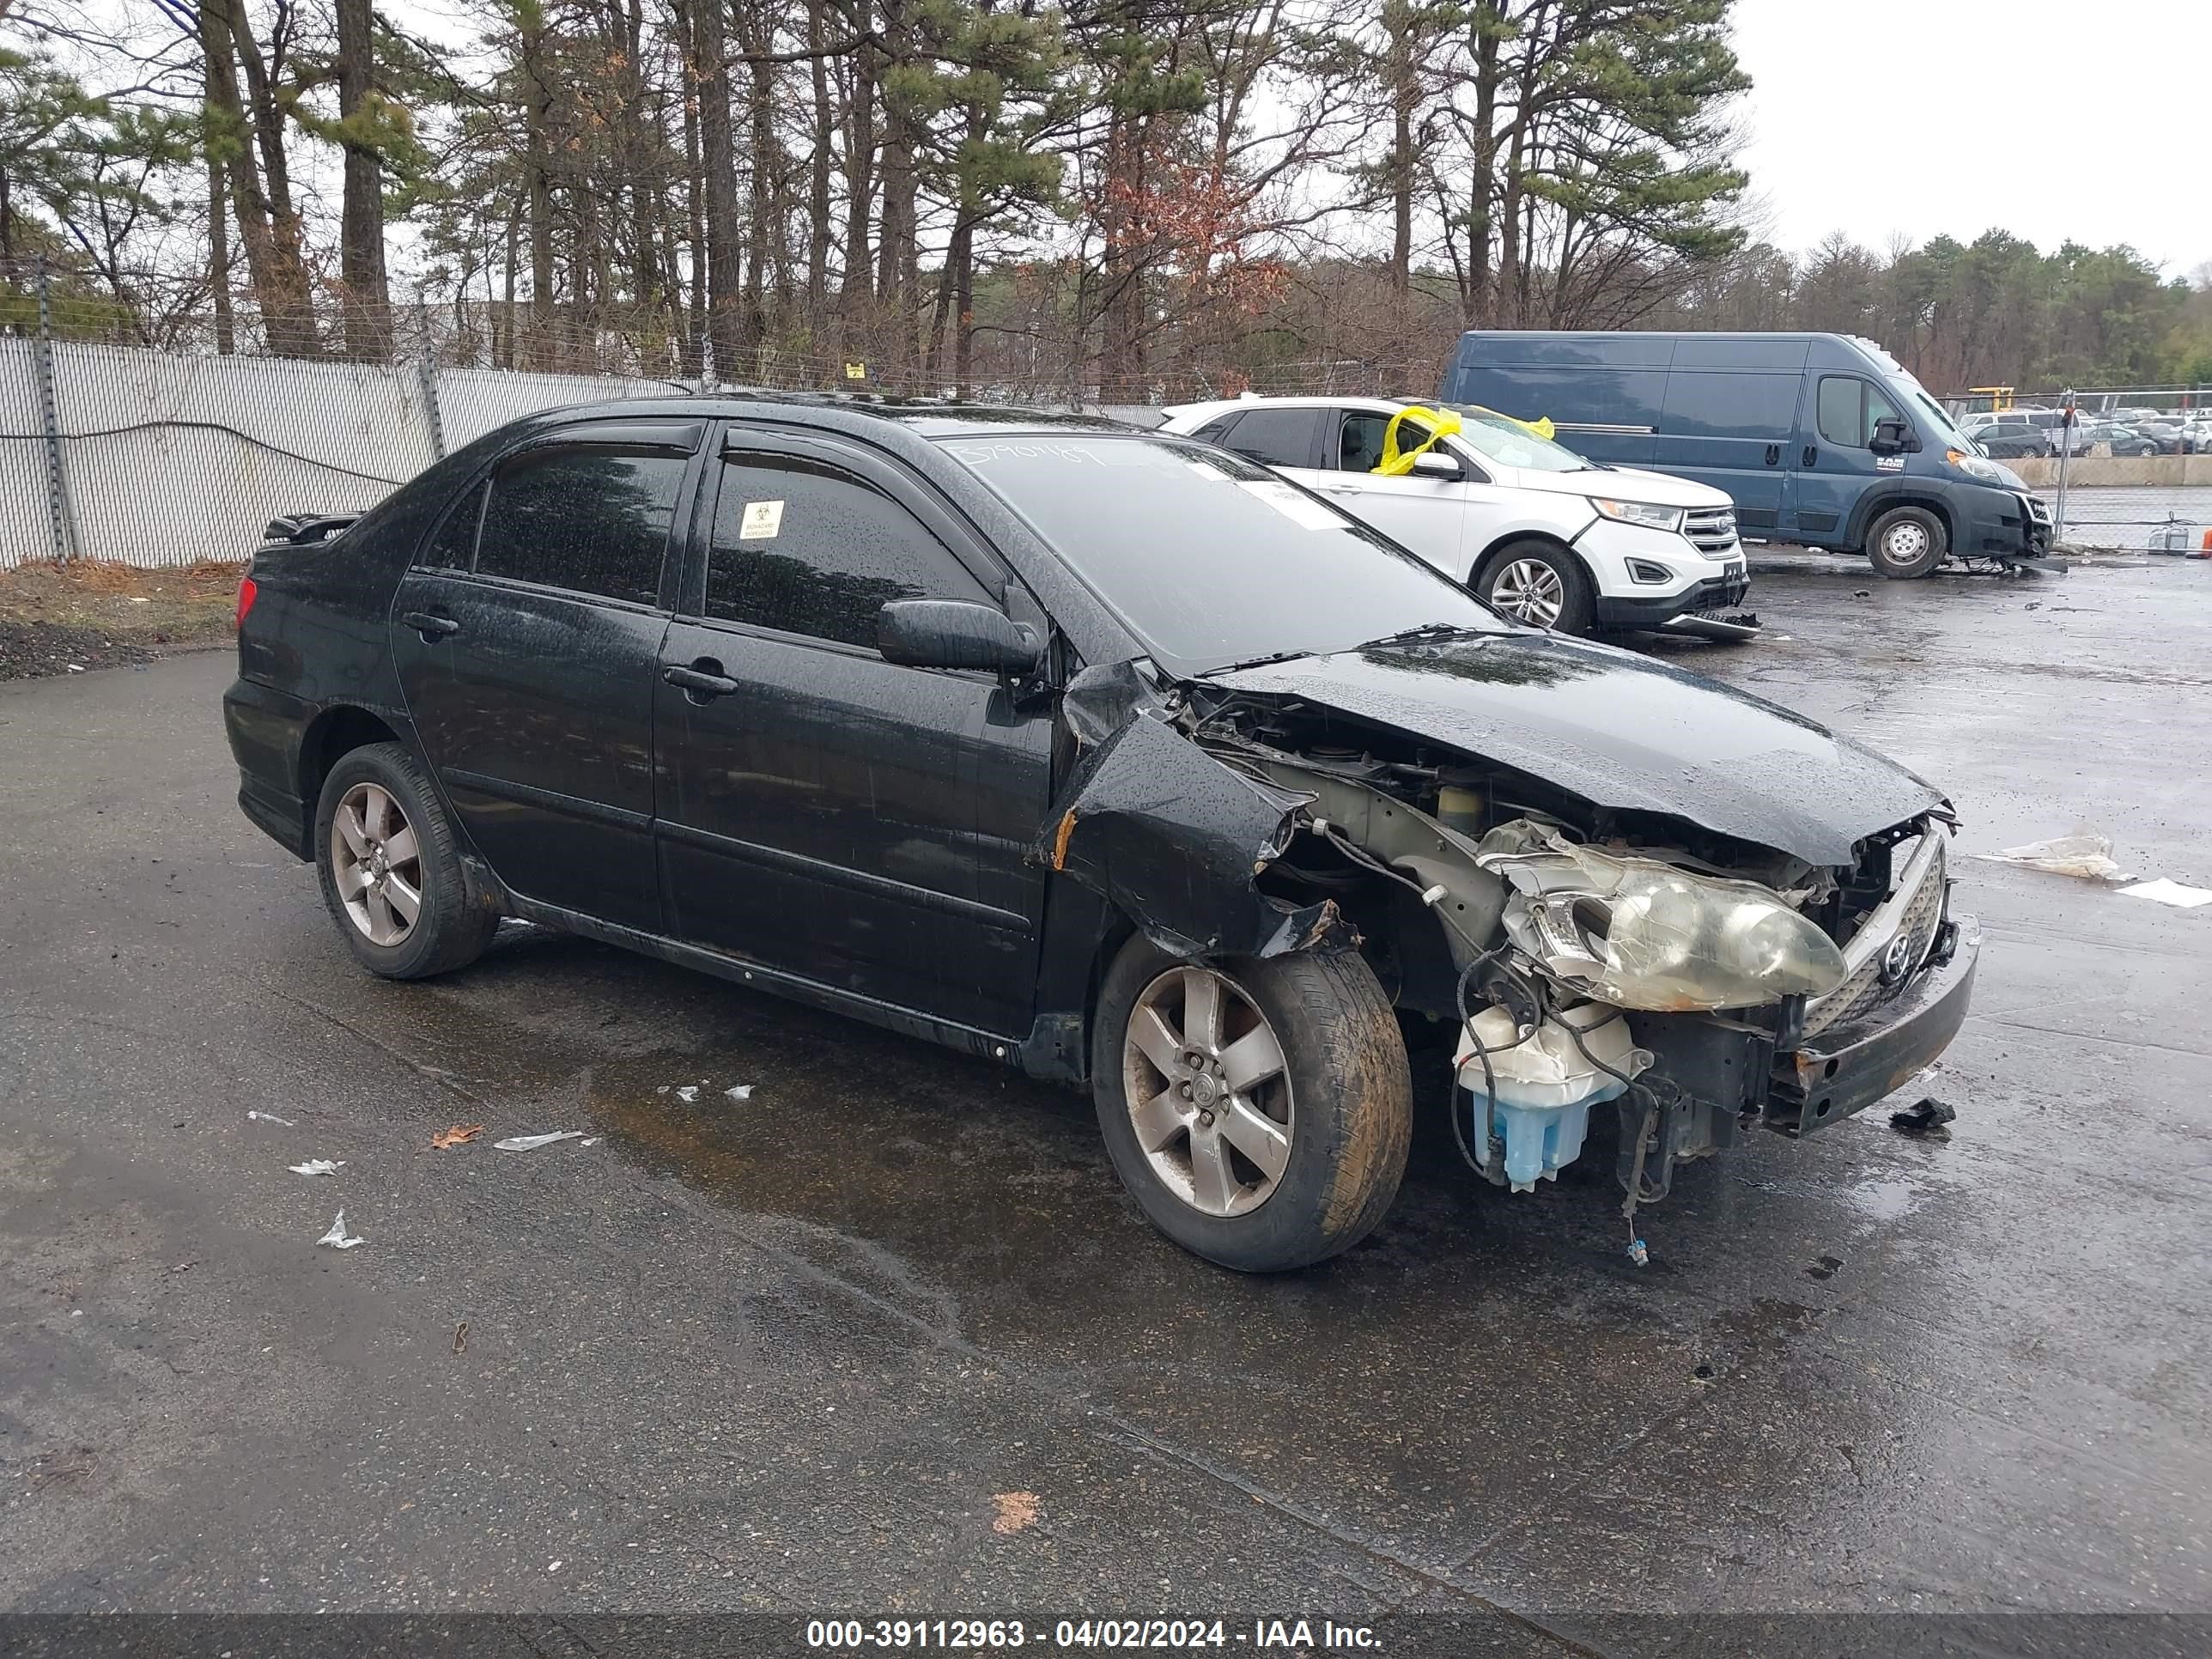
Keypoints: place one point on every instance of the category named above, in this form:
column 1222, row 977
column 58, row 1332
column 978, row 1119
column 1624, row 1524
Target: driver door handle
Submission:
column 432, row 628
column 703, row 679
column 1774, row 454
column 1811, row 454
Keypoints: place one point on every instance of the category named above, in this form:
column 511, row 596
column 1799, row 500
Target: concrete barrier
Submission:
column 2101, row 471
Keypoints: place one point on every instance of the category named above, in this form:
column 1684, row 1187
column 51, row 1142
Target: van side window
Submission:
column 1849, row 410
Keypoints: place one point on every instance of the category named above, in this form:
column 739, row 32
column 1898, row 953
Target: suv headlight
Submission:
column 1641, row 933
column 1975, row 467
column 1647, row 514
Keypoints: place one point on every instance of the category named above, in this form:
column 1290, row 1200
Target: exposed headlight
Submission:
column 1641, row 933
column 1647, row 514
column 1975, row 467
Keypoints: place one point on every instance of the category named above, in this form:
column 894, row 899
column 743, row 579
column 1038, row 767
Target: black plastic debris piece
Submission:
column 1926, row 1116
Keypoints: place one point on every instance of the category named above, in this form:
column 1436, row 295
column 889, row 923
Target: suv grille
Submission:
column 1912, row 914
column 1711, row 530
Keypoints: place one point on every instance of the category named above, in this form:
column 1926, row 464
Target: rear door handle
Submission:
column 1341, row 488
column 431, row 628
column 702, row 681
column 1774, row 454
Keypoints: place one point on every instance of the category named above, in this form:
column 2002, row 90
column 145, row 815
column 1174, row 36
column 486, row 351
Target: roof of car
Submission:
column 929, row 417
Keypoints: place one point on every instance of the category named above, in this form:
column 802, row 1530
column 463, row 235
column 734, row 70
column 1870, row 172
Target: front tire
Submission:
column 1259, row 1109
column 391, row 874
column 1538, row 583
column 1908, row 542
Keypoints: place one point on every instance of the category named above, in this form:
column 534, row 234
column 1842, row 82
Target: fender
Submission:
column 1904, row 490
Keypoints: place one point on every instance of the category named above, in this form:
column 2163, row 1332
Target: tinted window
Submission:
column 1279, row 437
column 1207, row 558
column 1730, row 405
column 588, row 520
column 455, row 543
column 808, row 550
column 1211, row 431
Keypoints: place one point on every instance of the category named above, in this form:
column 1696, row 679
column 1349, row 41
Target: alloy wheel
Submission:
column 378, row 864
column 1208, row 1091
column 1530, row 590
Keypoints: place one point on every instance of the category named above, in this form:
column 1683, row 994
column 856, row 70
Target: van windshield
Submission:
column 1943, row 430
column 1509, row 443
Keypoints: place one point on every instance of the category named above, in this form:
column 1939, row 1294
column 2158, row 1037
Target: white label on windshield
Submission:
column 761, row 522
column 1305, row 514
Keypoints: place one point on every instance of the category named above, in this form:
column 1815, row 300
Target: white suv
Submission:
column 1530, row 526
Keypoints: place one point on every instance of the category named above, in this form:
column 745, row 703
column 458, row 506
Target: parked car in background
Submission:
column 2197, row 436
column 1819, row 439
column 2013, row 441
column 2122, row 440
column 2165, row 431
column 1102, row 756
column 1527, row 524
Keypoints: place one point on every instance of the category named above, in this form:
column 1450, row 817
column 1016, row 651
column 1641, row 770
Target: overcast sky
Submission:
column 1876, row 119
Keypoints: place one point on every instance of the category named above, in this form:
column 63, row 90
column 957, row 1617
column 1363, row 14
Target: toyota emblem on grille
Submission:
column 1897, row 960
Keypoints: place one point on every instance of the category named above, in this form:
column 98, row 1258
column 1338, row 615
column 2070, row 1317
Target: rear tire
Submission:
column 383, row 847
column 1339, row 1092
column 1908, row 542
column 1539, row 583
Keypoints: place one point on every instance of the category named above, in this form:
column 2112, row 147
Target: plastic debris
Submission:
column 1639, row 1251
column 461, row 1337
column 589, row 1140
column 337, row 1238
column 1925, row 1117
column 688, row 1093
column 553, row 1567
column 2085, row 856
column 317, row 1166
column 270, row 1117
column 743, row 1092
column 456, row 1135
column 2163, row 892
column 531, row 1143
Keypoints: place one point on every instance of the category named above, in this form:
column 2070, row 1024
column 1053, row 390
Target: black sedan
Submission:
column 2013, row 441
column 1110, row 756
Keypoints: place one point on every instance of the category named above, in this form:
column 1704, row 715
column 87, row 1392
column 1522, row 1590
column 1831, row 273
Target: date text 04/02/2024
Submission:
column 987, row 1635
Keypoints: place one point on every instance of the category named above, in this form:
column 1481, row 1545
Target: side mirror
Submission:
column 1435, row 463
column 954, row 634
column 1892, row 436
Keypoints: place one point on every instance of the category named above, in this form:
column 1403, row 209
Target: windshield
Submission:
column 1509, row 443
column 1207, row 558
column 1939, row 421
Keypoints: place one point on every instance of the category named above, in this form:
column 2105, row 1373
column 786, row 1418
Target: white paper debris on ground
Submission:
column 531, row 1143
column 743, row 1092
column 589, row 1140
column 336, row 1237
column 317, row 1166
column 688, row 1093
column 270, row 1117
column 2175, row 893
column 2082, row 854
column 140, row 598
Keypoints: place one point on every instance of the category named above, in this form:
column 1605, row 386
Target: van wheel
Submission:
column 1908, row 542
column 1258, row 1110
column 391, row 874
column 1540, row 584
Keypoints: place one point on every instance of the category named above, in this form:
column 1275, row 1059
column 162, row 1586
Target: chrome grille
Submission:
column 1711, row 530
column 1914, row 911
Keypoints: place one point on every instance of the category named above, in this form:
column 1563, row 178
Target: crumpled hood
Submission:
column 1618, row 729
column 1624, row 483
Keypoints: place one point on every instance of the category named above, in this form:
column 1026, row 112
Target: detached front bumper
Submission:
column 1850, row 1065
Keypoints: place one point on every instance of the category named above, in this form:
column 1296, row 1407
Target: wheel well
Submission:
column 1514, row 538
column 335, row 734
column 1887, row 503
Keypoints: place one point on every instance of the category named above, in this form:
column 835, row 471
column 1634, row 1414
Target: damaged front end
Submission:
column 1582, row 953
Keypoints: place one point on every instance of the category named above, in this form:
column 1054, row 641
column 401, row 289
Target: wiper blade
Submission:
column 1262, row 662
column 1431, row 631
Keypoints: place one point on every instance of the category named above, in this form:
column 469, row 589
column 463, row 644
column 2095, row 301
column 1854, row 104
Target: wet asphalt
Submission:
column 885, row 1337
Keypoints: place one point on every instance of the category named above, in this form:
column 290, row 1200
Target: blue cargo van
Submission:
column 1822, row 439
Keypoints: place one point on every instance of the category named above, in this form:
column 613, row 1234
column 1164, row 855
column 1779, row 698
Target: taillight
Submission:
column 246, row 590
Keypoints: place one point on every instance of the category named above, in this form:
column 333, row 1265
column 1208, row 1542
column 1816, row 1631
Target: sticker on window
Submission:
column 1304, row 513
column 761, row 522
